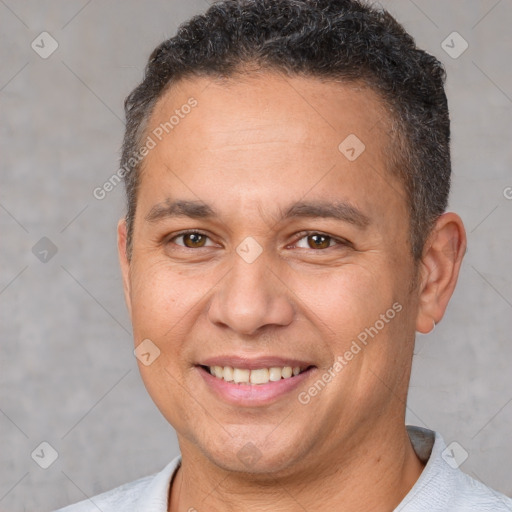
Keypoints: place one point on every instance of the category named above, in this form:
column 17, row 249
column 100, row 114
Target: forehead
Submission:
column 270, row 135
column 257, row 107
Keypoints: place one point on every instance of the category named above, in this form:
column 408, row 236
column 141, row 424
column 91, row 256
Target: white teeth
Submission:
column 275, row 374
column 286, row 372
column 259, row 376
column 240, row 375
column 228, row 373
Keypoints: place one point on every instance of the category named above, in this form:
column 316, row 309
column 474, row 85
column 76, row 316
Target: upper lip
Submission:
column 254, row 363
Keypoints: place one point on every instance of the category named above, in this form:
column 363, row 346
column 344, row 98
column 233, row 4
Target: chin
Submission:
column 239, row 456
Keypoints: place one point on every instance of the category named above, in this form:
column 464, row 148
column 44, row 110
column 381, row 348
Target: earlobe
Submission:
column 440, row 266
column 122, row 238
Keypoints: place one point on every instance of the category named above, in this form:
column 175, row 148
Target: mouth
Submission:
column 257, row 376
column 256, row 382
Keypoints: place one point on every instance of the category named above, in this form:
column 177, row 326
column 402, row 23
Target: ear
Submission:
column 440, row 265
column 124, row 262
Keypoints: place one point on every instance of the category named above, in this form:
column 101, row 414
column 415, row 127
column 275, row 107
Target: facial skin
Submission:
column 250, row 150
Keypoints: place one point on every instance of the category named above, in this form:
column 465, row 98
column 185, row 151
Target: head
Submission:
column 343, row 41
column 303, row 146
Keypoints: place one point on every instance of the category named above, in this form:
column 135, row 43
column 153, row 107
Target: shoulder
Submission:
column 124, row 496
column 442, row 486
column 455, row 491
column 150, row 490
column 468, row 494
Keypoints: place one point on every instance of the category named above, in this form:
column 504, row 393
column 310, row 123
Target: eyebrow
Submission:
column 338, row 210
column 170, row 209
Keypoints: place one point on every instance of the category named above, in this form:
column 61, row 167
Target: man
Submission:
column 287, row 169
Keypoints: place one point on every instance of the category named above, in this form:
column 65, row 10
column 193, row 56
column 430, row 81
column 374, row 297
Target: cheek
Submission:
column 346, row 297
column 160, row 298
column 357, row 311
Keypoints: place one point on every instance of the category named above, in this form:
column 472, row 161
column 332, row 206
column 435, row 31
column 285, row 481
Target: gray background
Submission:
column 68, row 375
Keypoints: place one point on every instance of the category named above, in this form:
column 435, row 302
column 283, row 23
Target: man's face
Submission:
column 297, row 254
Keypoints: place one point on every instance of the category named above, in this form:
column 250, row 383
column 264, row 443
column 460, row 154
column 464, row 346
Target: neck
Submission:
column 374, row 475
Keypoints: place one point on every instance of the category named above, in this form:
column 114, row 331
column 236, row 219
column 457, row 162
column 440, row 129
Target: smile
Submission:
column 256, row 376
column 253, row 382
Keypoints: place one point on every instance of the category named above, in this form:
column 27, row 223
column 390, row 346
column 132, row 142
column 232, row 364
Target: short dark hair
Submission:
column 344, row 40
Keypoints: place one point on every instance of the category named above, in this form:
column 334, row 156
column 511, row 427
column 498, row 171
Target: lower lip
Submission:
column 253, row 394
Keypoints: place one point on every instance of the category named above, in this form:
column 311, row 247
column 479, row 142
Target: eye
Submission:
column 317, row 241
column 191, row 240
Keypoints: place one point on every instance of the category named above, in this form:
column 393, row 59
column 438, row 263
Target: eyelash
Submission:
column 300, row 236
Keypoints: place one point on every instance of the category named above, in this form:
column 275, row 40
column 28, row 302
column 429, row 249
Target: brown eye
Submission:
column 319, row 241
column 191, row 240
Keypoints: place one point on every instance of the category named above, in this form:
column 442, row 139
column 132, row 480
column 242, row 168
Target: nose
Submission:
column 250, row 297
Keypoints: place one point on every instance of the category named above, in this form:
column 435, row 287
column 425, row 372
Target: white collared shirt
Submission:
column 441, row 487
